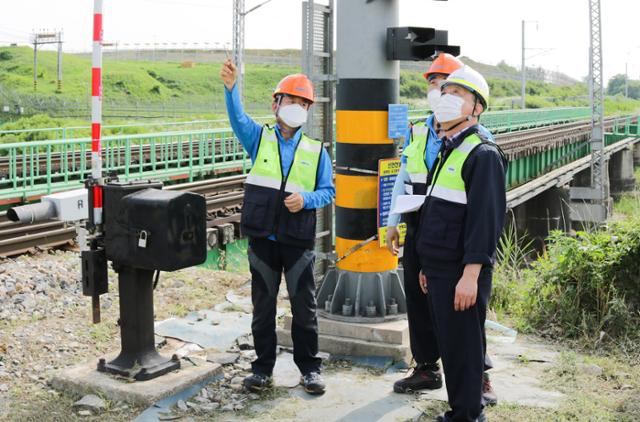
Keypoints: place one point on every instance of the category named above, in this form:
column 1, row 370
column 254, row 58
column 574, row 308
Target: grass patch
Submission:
column 100, row 333
column 57, row 407
column 628, row 204
column 595, row 389
column 178, row 310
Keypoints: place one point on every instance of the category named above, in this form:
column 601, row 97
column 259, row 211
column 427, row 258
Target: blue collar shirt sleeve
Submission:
column 246, row 129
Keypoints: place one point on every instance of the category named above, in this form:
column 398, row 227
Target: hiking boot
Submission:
column 313, row 383
column 256, row 383
column 489, row 397
column 423, row 377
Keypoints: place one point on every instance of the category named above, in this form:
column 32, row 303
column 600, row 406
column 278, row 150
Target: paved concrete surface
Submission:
column 85, row 379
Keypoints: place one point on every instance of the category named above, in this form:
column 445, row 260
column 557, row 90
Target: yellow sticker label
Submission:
column 389, row 167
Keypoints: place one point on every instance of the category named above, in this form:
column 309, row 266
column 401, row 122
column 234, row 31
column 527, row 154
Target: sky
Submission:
column 557, row 31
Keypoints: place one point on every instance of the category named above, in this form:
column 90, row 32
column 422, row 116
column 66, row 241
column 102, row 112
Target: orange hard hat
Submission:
column 297, row 85
column 444, row 64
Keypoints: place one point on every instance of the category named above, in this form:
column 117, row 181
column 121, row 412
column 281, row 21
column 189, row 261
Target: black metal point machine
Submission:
column 146, row 230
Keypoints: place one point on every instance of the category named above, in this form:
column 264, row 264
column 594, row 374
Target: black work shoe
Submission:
column 257, row 382
column 313, row 383
column 442, row 418
column 489, row 397
column 423, row 377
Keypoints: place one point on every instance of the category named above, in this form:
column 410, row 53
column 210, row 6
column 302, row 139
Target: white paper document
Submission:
column 407, row 203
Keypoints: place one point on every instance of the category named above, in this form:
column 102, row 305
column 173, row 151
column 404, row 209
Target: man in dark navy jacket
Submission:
column 460, row 224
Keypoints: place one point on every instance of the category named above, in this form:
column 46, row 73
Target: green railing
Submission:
column 508, row 121
column 531, row 166
column 497, row 121
column 29, row 169
column 73, row 132
column 34, row 168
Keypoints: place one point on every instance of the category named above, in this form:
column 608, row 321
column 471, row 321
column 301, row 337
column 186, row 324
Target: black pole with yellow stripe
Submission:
column 366, row 274
column 361, row 136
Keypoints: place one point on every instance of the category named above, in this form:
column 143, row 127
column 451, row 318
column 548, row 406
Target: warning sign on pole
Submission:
column 388, row 170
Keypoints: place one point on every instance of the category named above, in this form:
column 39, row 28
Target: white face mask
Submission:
column 292, row 115
column 449, row 108
column 433, row 98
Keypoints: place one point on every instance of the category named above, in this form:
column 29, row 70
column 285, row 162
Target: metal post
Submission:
column 523, row 70
column 60, row 61
column 35, row 63
column 138, row 357
column 238, row 43
column 317, row 64
column 626, row 80
column 597, row 108
column 96, row 111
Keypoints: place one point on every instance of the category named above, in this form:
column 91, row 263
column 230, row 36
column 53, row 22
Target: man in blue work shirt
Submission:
column 420, row 150
column 460, row 224
column 291, row 176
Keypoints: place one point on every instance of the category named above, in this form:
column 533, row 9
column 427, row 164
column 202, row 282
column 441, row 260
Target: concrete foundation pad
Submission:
column 343, row 346
column 85, row 379
column 392, row 332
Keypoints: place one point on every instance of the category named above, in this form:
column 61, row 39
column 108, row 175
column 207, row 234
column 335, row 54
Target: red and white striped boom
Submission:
column 96, row 111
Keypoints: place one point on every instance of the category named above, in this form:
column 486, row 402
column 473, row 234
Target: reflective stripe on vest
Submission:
column 267, row 168
column 415, row 152
column 450, row 185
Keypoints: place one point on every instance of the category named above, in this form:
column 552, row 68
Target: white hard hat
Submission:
column 471, row 80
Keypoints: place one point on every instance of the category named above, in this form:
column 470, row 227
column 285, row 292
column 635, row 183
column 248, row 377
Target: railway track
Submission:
column 224, row 195
column 517, row 144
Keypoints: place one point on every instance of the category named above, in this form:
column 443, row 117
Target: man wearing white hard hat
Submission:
column 460, row 224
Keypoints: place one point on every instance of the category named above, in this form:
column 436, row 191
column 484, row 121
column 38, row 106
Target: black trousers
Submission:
column 461, row 340
column 267, row 261
column 422, row 336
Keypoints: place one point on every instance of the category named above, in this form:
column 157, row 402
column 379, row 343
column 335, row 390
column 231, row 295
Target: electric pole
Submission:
column 238, row 39
column 523, row 67
column 523, row 71
column 597, row 111
column 47, row 37
column 626, row 80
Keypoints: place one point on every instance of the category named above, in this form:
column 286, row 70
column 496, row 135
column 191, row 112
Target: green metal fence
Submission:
column 497, row 121
column 29, row 169
column 508, row 121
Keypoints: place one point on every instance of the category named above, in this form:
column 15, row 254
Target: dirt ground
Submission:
column 55, row 331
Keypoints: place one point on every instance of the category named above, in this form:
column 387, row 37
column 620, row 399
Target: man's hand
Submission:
column 229, row 74
column 294, row 202
column 467, row 288
column 393, row 240
column 422, row 279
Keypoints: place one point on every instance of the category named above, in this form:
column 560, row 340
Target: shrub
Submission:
column 588, row 284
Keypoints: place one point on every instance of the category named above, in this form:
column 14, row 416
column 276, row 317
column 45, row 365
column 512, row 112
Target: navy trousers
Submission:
column 461, row 340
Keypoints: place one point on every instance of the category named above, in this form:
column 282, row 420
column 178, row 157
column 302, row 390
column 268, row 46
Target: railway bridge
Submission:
column 548, row 152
